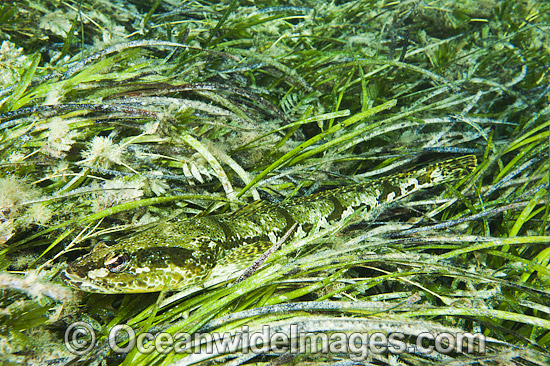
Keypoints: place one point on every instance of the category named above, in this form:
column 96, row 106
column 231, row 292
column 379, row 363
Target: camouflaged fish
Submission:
column 177, row 254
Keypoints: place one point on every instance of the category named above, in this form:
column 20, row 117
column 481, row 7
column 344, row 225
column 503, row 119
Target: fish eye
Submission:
column 116, row 262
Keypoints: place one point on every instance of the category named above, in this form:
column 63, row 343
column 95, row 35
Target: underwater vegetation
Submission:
column 119, row 117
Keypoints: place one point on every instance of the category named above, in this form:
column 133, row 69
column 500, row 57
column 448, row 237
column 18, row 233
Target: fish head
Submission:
column 132, row 267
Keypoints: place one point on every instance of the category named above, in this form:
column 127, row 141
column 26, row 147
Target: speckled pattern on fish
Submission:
column 180, row 253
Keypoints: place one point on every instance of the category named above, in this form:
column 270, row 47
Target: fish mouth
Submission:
column 70, row 278
column 84, row 284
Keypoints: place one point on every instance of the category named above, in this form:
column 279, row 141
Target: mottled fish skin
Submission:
column 178, row 254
